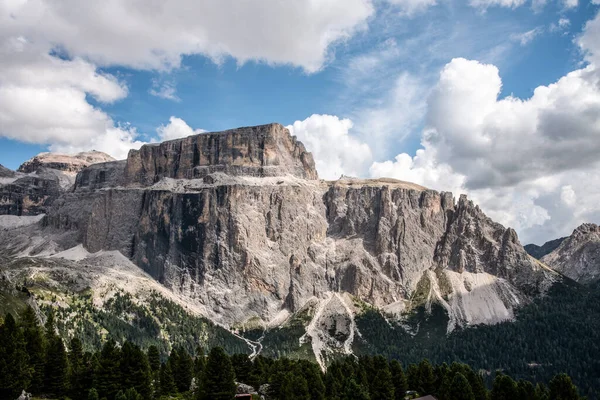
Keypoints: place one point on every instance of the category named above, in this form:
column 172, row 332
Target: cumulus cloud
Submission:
column 154, row 35
column 335, row 151
column 496, row 3
column 530, row 163
column 164, row 89
column 175, row 129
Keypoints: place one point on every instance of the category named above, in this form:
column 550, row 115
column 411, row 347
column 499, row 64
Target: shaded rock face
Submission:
column 266, row 150
column 29, row 195
column 44, row 178
column 547, row 248
column 237, row 222
column 578, row 255
column 5, row 172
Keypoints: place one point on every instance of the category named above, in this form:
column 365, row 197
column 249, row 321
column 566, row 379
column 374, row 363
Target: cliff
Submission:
column 237, row 223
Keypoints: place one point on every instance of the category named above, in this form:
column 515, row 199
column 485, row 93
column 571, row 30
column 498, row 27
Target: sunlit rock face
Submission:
column 238, row 222
column 578, row 255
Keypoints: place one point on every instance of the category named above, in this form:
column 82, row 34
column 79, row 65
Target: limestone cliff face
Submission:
column 238, row 223
column 42, row 180
column 578, row 256
column 266, row 150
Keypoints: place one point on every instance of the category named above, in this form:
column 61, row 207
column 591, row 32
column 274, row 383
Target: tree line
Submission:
column 35, row 359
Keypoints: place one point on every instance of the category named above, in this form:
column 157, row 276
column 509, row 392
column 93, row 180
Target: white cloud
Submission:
column 527, row 37
column 164, row 89
column 335, row 151
column 154, row 35
column 483, row 4
column 410, row 7
column 175, row 129
column 570, row 3
column 530, row 163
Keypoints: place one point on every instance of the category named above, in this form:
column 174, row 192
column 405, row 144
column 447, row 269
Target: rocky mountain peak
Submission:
column 578, row 255
column 5, row 172
column 260, row 151
column 70, row 164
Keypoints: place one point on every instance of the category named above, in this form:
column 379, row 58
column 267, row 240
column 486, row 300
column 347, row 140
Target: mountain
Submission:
column 238, row 225
column 70, row 164
column 540, row 251
column 578, row 255
column 41, row 180
column 5, row 172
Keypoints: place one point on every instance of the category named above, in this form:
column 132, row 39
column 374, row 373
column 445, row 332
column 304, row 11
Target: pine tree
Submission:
column 14, row 361
column 460, row 389
column 76, row 372
column 132, row 394
column 526, row 390
column 382, row 386
column 217, row 381
column 412, row 377
column 183, row 369
column 242, row 367
column 93, row 394
column 34, row 340
column 313, row 375
column 542, row 392
column 293, row 387
column 167, row 382
column 504, row 388
column 399, row 379
column 562, row 388
column 135, row 369
column 120, row 395
column 107, row 371
column 426, row 378
column 354, row 391
column 57, row 367
column 154, row 358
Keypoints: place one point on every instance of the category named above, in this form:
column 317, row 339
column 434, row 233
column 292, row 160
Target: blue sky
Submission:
column 359, row 78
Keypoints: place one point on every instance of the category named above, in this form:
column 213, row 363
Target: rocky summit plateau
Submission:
column 236, row 227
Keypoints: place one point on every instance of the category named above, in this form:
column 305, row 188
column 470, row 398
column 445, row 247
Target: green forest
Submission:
column 35, row 359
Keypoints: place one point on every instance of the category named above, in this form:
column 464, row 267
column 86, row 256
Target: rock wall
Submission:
column 266, row 150
column 238, row 222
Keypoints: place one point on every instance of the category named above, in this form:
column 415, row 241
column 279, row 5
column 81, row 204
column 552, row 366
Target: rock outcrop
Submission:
column 238, row 223
column 43, row 179
column 578, row 256
column 70, row 164
column 266, row 150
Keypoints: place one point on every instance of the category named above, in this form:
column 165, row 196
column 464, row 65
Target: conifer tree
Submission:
column 217, row 381
column 135, row 369
column 460, row 389
column 34, row 340
column 542, row 392
column 562, row 388
column 382, row 386
column 504, row 388
column 313, row 375
column 399, row 379
column 57, row 367
column 526, row 390
column 76, row 371
column 354, row 391
column 426, row 378
column 412, row 377
column 167, row 382
column 154, row 358
column 242, row 367
column 293, row 387
column 107, row 371
column 93, row 394
column 183, row 369
column 132, row 394
column 14, row 361
column 120, row 395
